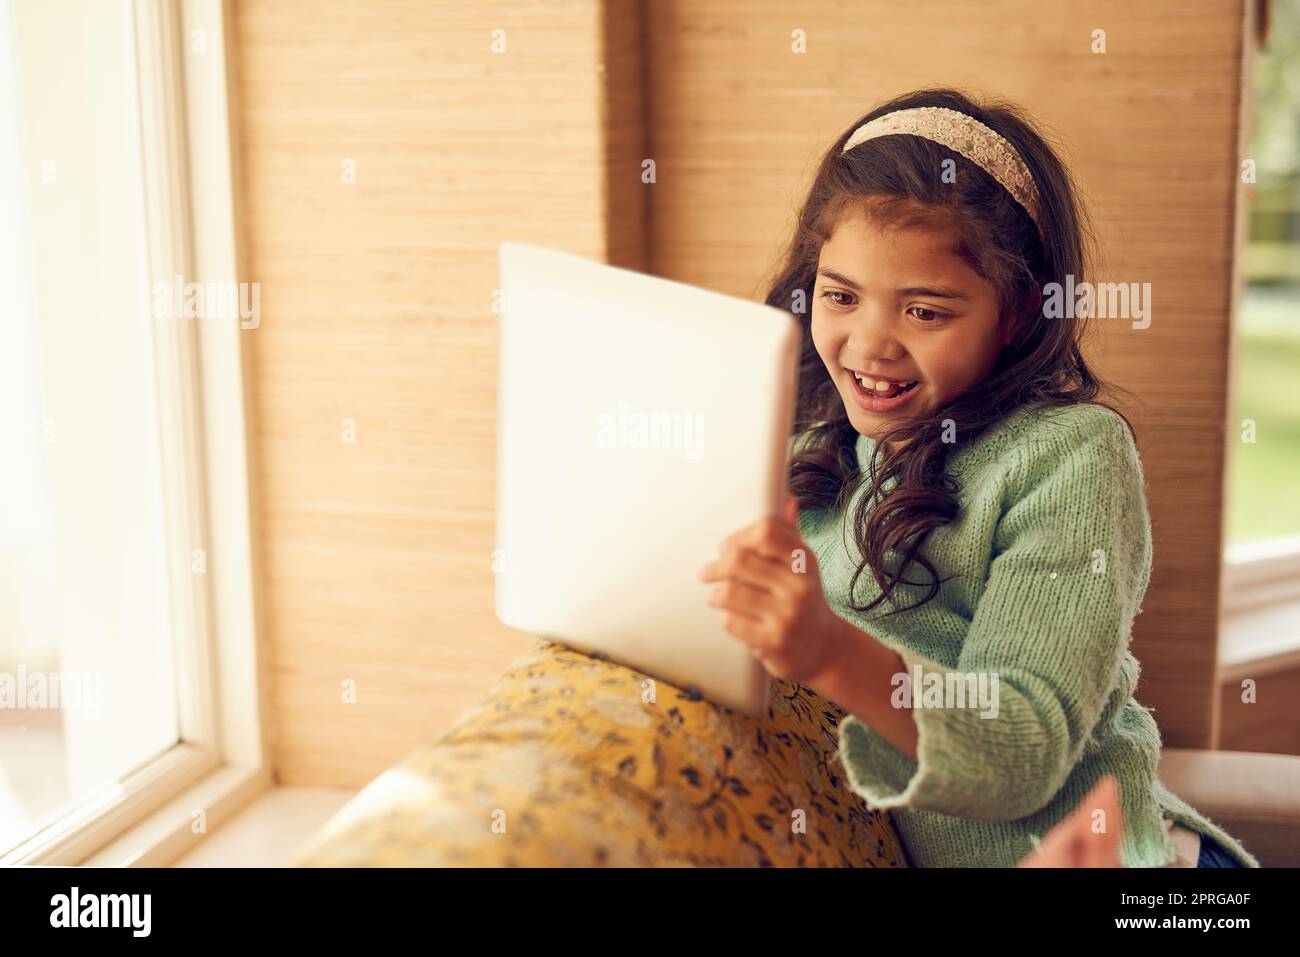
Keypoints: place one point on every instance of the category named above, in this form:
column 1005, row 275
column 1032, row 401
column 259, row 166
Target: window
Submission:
column 124, row 533
column 1263, row 509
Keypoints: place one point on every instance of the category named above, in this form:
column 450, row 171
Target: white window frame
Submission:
column 187, row 151
column 1260, row 574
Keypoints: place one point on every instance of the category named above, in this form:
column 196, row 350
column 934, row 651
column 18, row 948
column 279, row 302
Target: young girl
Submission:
column 945, row 424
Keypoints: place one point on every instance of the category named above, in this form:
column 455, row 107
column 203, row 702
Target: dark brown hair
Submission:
column 897, row 179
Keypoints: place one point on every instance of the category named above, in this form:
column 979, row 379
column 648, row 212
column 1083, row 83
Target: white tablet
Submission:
column 640, row 421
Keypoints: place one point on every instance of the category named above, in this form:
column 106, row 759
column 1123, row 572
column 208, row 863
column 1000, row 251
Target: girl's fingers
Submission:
column 1105, row 797
column 743, row 598
column 748, row 630
column 771, row 537
column 1073, row 843
column 748, row 566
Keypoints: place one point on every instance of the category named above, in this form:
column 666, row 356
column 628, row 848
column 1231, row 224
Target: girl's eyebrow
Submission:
column 941, row 292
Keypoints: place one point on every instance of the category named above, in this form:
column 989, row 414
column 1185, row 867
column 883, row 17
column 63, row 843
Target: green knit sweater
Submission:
column 1051, row 555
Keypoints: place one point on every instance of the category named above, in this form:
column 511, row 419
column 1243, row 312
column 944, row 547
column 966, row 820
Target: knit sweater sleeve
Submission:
column 1072, row 557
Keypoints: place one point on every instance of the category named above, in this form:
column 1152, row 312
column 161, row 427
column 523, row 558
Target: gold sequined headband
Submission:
column 962, row 134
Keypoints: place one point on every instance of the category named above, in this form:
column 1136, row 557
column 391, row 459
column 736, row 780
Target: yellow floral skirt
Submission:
column 574, row 760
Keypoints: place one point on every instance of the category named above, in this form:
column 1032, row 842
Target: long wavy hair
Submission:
column 896, row 179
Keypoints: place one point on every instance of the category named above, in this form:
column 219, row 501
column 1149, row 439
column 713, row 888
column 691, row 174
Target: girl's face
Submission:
column 897, row 304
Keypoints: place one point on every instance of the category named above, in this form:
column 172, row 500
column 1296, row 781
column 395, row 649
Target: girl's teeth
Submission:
column 886, row 388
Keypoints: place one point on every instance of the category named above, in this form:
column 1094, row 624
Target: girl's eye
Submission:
column 929, row 314
column 827, row 294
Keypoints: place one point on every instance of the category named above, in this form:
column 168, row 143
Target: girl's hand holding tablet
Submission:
column 771, row 590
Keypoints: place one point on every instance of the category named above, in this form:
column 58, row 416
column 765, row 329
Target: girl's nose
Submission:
column 873, row 339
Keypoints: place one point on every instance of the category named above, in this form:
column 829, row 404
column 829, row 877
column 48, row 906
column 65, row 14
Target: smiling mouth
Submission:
column 884, row 388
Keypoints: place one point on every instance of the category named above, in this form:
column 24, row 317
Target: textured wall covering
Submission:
column 376, row 293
